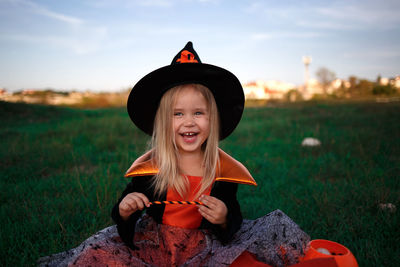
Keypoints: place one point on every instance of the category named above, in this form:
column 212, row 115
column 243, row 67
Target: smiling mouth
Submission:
column 189, row 137
column 188, row 134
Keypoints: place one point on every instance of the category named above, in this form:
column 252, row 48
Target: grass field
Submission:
column 62, row 171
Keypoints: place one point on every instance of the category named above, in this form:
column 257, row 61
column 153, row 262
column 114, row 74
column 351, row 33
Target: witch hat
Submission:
column 186, row 67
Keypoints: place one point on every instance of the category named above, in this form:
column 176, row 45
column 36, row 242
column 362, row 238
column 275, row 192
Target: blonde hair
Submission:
column 165, row 151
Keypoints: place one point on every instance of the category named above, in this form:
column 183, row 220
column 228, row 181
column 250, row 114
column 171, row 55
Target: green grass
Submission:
column 62, row 171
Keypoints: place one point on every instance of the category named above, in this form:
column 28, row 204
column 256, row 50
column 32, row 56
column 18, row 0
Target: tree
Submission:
column 353, row 82
column 379, row 89
column 365, row 87
column 378, row 80
column 359, row 87
column 325, row 77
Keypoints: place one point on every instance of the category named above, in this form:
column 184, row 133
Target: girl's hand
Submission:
column 131, row 203
column 215, row 210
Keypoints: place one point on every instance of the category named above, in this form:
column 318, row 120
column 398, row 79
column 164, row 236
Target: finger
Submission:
column 216, row 204
column 206, row 212
column 131, row 206
column 139, row 204
column 128, row 203
column 126, row 209
column 139, row 198
column 134, row 201
column 144, row 199
column 208, row 201
column 208, row 216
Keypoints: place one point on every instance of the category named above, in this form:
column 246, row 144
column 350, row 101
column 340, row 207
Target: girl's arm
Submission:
column 226, row 192
column 131, row 203
column 126, row 223
column 213, row 210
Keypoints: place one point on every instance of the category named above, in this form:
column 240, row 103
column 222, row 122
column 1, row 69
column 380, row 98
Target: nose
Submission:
column 189, row 121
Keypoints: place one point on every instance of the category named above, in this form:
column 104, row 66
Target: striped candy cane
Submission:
column 177, row 202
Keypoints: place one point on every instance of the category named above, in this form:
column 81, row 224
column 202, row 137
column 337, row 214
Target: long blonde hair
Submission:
column 165, row 151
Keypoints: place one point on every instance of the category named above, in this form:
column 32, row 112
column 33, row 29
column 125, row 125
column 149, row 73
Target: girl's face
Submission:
column 190, row 120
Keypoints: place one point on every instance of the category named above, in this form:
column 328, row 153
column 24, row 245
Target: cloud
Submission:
column 281, row 35
column 386, row 53
column 155, row 3
column 84, row 43
column 146, row 3
column 261, row 36
column 332, row 15
column 41, row 10
column 209, row 1
column 72, row 34
column 368, row 14
column 326, row 24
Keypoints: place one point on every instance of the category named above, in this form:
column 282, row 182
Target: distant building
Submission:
column 396, row 81
column 28, row 92
column 313, row 88
column 339, row 84
column 267, row 89
column 384, row 81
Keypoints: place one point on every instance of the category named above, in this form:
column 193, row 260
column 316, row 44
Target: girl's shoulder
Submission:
column 143, row 166
column 231, row 170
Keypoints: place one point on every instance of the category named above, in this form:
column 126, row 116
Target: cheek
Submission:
column 207, row 126
column 175, row 125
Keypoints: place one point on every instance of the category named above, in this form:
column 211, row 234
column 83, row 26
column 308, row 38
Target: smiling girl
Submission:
column 187, row 108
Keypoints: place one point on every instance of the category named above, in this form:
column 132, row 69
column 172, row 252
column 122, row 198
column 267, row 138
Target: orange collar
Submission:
column 230, row 170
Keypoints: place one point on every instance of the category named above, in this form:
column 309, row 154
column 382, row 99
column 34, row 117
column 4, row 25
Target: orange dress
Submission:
column 184, row 216
column 187, row 216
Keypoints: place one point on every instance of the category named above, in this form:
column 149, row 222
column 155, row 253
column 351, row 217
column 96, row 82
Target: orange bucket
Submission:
column 341, row 254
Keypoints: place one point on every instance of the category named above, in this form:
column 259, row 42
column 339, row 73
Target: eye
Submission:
column 198, row 113
column 178, row 114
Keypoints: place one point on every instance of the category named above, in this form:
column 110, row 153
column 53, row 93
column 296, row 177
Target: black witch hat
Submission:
column 186, row 67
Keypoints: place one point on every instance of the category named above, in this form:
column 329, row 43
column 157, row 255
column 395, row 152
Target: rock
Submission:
column 387, row 207
column 310, row 141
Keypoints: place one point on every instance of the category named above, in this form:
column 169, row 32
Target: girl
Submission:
column 187, row 107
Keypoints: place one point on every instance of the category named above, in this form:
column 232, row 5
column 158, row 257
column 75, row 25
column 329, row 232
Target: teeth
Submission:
column 188, row 134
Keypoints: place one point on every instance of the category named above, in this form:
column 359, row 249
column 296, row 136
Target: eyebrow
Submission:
column 195, row 108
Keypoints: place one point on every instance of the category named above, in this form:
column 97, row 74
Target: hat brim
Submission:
column 145, row 96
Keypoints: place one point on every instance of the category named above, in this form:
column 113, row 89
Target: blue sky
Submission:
column 108, row 45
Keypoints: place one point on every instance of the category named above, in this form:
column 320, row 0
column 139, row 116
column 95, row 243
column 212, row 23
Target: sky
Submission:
column 108, row 45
